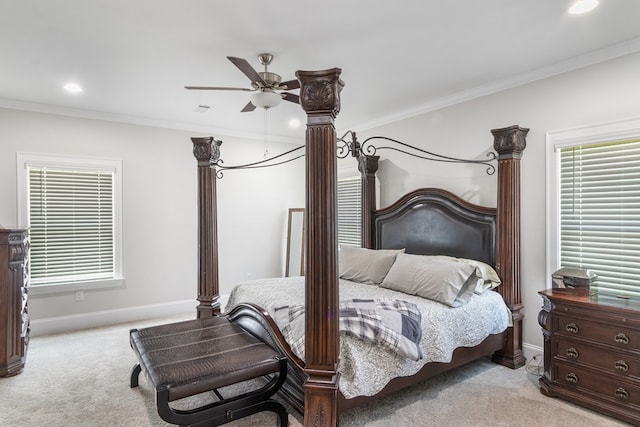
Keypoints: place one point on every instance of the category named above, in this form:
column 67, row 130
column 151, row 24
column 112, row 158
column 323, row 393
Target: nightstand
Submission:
column 592, row 351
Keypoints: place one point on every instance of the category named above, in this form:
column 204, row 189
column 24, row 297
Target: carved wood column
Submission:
column 509, row 143
column 320, row 99
column 207, row 151
column 368, row 166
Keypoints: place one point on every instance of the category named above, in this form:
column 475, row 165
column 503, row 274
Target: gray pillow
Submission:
column 365, row 265
column 446, row 281
column 490, row 278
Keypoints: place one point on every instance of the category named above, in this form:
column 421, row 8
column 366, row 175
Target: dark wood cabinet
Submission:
column 14, row 282
column 592, row 351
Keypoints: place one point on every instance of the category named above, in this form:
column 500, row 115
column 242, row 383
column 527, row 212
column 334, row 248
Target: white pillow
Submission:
column 365, row 265
column 446, row 281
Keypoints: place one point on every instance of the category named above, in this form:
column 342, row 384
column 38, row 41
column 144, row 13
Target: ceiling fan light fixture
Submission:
column 583, row 6
column 266, row 99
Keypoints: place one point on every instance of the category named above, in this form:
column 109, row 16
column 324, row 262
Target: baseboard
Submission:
column 60, row 324
column 530, row 351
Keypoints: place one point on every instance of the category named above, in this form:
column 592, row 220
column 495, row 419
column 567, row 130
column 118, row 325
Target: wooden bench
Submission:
column 197, row 356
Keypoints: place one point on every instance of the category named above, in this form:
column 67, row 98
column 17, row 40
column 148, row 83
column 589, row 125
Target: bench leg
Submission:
column 273, row 406
column 135, row 373
column 227, row 410
column 268, row 405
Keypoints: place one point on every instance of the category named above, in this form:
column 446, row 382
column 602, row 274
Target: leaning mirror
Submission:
column 295, row 243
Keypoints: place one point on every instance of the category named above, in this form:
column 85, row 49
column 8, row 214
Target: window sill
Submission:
column 63, row 288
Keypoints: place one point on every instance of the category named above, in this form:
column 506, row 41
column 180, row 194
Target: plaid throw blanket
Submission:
column 392, row 324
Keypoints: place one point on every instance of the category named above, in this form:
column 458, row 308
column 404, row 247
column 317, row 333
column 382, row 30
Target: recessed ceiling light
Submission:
column 202, row 108
column 583, row 6
column 294, row 123
column 72, row 88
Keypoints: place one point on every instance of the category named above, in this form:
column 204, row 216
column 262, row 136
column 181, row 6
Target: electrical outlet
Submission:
column 79, row 295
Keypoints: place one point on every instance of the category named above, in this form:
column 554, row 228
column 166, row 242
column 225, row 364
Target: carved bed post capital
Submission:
column 368, row 165
column 510, row 142
column 207, row 151
column 320, row 98
column 320, row 92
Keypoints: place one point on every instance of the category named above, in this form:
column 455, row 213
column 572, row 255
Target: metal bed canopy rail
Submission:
column 347, row 144
column 369, row 148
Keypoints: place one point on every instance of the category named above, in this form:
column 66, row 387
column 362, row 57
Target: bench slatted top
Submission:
column 195, row 356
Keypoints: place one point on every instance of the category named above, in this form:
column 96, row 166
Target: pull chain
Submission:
column 266, row 143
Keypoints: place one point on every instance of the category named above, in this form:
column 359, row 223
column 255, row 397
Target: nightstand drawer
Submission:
column 616, row 362
column 605, row 387
column 610, row 334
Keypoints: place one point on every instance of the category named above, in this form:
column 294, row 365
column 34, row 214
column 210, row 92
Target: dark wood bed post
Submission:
column 207, row 151
column 320, row 99
column 368, row 166
column 509, row 143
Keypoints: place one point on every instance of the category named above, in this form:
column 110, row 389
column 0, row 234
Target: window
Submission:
column 596, row 207
column 349, row 211
column 72, row 207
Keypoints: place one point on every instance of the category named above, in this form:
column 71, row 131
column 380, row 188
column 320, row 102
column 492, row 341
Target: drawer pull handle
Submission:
column 621, row 365
column 622, row 393
column 621, row 338
column 572, row 352
column 572, row 327
column 571, row 378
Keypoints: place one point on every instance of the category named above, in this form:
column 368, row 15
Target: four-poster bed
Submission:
column 491, row 235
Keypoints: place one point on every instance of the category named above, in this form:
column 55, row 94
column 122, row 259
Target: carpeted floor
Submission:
column 82, row 379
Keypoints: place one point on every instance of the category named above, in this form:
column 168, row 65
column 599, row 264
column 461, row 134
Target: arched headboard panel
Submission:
column 432, row 221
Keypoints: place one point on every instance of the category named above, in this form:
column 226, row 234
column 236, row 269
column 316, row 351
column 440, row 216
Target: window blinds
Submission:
column 349, row 211
column 71, row 217
column 600, row 213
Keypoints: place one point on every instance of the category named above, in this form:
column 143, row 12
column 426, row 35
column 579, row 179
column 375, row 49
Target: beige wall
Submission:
column 159, row 209
column 600, row 93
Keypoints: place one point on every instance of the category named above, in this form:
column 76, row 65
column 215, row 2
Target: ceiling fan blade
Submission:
column 290, row 85
column 248, row 70
column 290, row 97
column 248, row 107
column 217, row 88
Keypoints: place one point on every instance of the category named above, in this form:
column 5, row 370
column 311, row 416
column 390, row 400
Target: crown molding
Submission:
column 142, row 121
column 602, row 55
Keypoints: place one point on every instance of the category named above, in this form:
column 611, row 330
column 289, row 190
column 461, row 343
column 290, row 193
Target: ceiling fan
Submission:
column 267, row 85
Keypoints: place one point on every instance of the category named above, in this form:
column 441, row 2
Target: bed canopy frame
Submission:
column 320, row 99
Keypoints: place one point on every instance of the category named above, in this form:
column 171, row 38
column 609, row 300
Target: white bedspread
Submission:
column 366, row 369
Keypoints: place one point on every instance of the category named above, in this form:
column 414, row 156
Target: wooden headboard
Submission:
column 432, row 221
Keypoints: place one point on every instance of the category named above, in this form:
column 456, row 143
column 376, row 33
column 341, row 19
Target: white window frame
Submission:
column 555, row 140
column 25, row 160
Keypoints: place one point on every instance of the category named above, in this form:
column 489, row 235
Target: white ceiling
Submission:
column 399, row 58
